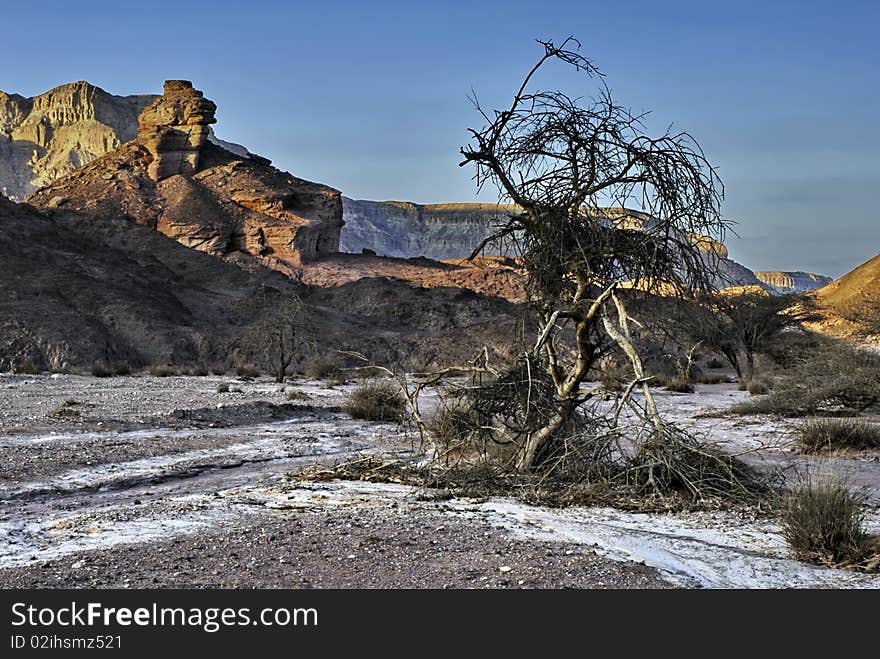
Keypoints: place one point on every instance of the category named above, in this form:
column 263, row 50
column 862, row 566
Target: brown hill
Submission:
column 851, row 305
column 174, row 179
column 75, row 291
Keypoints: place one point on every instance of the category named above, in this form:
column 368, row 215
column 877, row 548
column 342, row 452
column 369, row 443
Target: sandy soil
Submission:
column 164, row 482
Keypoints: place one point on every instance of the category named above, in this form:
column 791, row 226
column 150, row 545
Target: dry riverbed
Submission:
column 164, row 482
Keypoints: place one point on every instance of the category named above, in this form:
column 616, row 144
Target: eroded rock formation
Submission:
column 175, row 177
column 174, row 129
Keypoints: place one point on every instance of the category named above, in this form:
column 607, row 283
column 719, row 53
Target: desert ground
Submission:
column 164, row 482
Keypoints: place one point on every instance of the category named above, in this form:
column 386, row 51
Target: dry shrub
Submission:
column 294, row 394
column 376, row 401
column 162, row 371
column 222, row 388
column 832, row 379
column 714, row 363
column 829, row 435
column 712, row 379
column 320, row 367
column 757, row 387
column 672, row 462
column 199, row 371
column 121, row 368
column 680, row 385
column 101, row 371
column 247, row 371
column 823, row 522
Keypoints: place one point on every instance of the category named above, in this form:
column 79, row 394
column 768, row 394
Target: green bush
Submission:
column 376, row 401
column 823, row 522
column 828, row 435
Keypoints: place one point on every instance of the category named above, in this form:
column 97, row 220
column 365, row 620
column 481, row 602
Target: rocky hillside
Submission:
column 47, row 136
column 792, row 282
column 851, row 304
column 172, row 177
column 75, row 292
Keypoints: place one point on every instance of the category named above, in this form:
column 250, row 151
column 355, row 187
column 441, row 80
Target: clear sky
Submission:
column 371, row 96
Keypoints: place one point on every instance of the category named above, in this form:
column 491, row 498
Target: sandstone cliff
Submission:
column 174, row 178
column 48, row 136
column 792, row 282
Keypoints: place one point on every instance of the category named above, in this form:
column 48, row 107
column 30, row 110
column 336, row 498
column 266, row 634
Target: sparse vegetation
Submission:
column 199, row 371
column 277, row 336
column 162, row 371
column 830, row 435
column 822, row 378
column 222, row 388
column 101, row 371
column 295, row 394
column 680, row 385
column 714, row 363
column 320, row 367
column 376, row 401
column 247, row 371
column 823, row 522
column 757, row 387
column 121, row 368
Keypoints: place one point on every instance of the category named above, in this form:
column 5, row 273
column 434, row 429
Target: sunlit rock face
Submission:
column 213, row 196
column 48, row 136
column 792, row 282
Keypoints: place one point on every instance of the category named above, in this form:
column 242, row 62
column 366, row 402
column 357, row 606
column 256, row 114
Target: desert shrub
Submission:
column 833, row 379
column 320, row 367
column 101, row 371
column 199, row 371
column 714, row 363
column 757, row 387
column 376, row 401
column 659, row 380
column 453, row 425
column 27, row 367
column 247, row 371
column 672, row 461
column 680, row 385
column 338, row 379
column 162, row 371
column 121, row 368
column 294, row 394
column 222, row 388
column 219, row 369
column 823, row 522
column 712, row 379
column 826, row 435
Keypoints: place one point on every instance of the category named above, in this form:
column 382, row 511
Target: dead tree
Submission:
column 278, row 335
column 574, row 167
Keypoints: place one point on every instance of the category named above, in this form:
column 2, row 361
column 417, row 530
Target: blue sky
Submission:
column 371, row 97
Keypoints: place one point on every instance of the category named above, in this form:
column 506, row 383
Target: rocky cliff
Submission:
column 452, row 231
column 48, row 136
column 792, row 282
column 174, row 178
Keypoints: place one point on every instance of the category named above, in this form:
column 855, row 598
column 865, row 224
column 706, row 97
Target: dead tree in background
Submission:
column 278, row 335
column 564, row 161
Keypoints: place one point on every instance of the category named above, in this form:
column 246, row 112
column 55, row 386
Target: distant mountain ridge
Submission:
column 405, row 229
column 50, row 135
